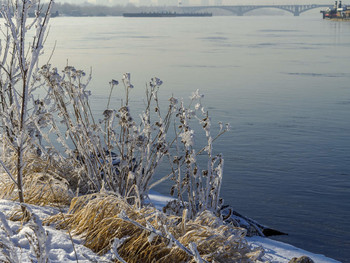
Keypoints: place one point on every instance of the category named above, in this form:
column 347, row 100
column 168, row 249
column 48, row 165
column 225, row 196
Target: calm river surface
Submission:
column 283, row 83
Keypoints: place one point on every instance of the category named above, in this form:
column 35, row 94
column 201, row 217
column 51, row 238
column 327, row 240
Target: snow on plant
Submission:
column 114, row 248
column 35, row 234
column 37, row 238
column 69, row 119
column 7, row 248
column 166, row 234
column 120, row 154
column 147, row 235
column 114, row 153
column 195, row 190
column 19, row 59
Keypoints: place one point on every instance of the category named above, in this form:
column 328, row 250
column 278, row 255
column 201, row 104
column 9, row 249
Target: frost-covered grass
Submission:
column 60, row 246
column 149, row 234
column 112, row 228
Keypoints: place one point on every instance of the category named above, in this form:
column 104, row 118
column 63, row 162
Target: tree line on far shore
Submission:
column 99, row 10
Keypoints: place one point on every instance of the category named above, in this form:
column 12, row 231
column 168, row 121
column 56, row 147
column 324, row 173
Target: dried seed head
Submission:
column 114, row 82
column 108, row 114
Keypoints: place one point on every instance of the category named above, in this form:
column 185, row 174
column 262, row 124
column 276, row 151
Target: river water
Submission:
column 282, row 82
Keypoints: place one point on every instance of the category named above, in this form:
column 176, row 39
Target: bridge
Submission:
column 240, row 10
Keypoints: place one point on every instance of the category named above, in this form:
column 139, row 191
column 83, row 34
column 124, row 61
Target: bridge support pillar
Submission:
column 240, row 11
column 297, row 10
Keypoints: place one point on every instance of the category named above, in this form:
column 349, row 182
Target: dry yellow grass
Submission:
column 43, row 183
column 99, row 218
column 39, row 189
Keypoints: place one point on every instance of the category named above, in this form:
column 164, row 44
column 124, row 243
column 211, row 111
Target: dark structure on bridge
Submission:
column 240, row 10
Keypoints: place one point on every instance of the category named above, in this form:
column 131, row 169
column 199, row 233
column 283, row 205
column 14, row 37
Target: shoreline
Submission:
column 61, row 243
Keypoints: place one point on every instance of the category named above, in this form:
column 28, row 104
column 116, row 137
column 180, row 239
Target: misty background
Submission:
column 193, row 2
column 118, row 7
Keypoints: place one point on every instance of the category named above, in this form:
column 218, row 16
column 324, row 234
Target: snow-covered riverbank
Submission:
column 276, row 251
column 60, row 248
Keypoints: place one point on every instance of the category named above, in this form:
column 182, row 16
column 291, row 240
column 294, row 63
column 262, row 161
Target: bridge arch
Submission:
column 296, row 10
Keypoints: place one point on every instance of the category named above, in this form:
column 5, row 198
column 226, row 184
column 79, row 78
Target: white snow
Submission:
column 61, row 248
column 159, row 201
column 61, row 245
column 280, row 252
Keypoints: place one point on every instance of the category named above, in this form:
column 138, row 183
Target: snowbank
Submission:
column 276, row 251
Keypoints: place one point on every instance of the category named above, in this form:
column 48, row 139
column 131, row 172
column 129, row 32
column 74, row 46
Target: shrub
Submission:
column 119, row 154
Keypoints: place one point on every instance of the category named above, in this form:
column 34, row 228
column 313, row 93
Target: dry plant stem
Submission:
column 8, row 172
column 24, row 71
